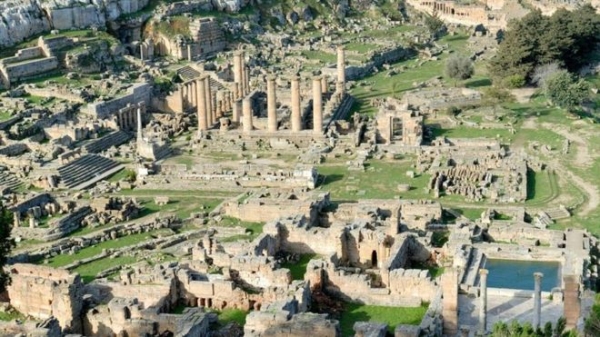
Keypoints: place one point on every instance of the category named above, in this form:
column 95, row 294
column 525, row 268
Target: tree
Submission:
column 6, row 245
column 433, row 23
column 459, row 68
column 565, row 91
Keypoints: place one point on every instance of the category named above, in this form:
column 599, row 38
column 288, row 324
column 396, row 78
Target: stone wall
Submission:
column 43, row 292
column 58, row 229
column 138, row 92
column 385, row 57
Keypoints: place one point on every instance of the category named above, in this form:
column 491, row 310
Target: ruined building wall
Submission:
column 42, row 292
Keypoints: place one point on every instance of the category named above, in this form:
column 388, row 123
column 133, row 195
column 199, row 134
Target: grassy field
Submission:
column 378, row 181
column 392, row 316
column 88, row 272
column 129, row 240
column 253, row 229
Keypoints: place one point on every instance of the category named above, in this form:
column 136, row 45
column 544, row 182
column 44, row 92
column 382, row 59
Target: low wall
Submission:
column 138, row 92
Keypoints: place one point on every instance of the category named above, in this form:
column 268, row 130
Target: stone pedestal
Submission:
column 271, row 104
column 317, row 106
column 296, row 114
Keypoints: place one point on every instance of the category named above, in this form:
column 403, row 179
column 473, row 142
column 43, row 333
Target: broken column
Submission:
column 341, row 70
column 317, row 106
column 483, row 273
column 202, row 121
column 296, row 114
column 208, row 102
column 324, row 84
column 247, row 111
column 537, row 299
column 271, row 104
column 238, row 68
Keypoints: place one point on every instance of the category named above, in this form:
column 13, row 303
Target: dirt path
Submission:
column 582, row 155
column 590, row 189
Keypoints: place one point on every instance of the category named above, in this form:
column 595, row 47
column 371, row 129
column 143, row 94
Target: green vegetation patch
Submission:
column 392, row 316
column 378, row 181
column 253, row 229
column 129, row 240
column 89, row 271
column 298, row 269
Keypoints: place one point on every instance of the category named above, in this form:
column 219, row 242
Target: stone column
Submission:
column 194, row 94
column 246, row 80
column 572, row 304
column 317, row 106
column 247, row 111
column 296, row 114
column 189, row 51
column 271, row 104
column 142, row 51
column 537, row 299
column 341, row 65
column 237, row 71
column 214, row 105
column 324, row 84
column 202, row 121
column 220, row 103
column 483, row 273
column 237, row 109
column 179, row 102
column 208, row 102
column 340, row 88
column 238, row 91
column 450, row 301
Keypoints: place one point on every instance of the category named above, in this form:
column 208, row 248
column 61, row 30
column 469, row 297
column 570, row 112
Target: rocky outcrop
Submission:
column 21, row 19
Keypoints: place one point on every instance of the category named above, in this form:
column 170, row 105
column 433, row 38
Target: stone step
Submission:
column 85, row 168
column 187, row 73
column 104, row 143
column 475, row 262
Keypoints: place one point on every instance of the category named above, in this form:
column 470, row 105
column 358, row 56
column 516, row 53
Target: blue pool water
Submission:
column 514, row 274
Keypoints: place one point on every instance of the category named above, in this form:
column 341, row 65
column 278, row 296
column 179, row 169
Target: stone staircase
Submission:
column 187, row 73
column 471, row 275
column 8, row 181
column 106, row 142
column 87, row 170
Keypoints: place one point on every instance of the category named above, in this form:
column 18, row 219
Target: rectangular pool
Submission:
column 515, row 274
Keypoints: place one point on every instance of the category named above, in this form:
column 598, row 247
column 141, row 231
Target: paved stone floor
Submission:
column 506, row 309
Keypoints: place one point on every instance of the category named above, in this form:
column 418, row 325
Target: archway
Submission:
column 374, row 259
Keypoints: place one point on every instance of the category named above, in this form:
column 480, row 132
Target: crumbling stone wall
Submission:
column 43, row 292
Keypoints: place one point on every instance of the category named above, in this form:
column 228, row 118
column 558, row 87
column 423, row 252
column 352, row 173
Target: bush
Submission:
column 453, row 110
column 514, row 81
column 459, row 68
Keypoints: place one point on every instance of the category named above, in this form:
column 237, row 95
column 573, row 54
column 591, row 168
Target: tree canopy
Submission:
column 6, row 245
column 567, row 38
column 566, row 91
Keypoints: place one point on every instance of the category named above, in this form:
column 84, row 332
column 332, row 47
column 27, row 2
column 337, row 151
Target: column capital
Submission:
column 271, row 77
column 483, row 272
column 538, row 275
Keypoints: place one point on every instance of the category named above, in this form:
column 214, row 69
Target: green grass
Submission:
column 378, row 181
column 319, row 55
column 392, row 316
column 88, row 272
column 227, row 316
column 253, row 229
column 471, row 213
column 467, row 132
column 11, row 316
column 299, row 269
column 65, row 259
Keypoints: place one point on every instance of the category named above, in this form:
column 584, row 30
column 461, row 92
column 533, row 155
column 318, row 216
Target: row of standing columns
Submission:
column 210, row 107
column 537, row 300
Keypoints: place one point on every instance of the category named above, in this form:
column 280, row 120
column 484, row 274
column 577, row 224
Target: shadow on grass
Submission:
column 332, row 178
column 484, row 82
column 531, row 176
